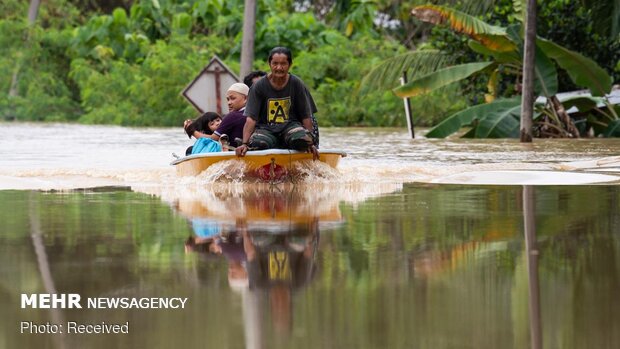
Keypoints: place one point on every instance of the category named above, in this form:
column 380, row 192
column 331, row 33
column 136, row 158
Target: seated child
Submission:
column 206, row 124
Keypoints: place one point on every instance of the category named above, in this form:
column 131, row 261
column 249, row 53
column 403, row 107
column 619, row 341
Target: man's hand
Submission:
column 189, row 127
column 315, row 152
column 241, row 150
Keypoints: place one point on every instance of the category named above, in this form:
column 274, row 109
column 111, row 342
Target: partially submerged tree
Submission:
column 499, row 117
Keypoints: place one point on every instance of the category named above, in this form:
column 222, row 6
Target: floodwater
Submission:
column 409, row 244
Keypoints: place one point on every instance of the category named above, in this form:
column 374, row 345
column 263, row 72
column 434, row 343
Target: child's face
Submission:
column 235, row 100
column 214, row 124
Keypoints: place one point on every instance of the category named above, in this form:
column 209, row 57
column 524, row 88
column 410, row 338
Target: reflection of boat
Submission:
column 263, row 207
column 266, row 164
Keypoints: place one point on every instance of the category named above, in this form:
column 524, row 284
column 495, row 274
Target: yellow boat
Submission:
column 267, row 164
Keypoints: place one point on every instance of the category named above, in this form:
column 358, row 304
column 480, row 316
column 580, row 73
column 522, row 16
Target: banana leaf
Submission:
column 490, row 36
column 439, row 78
column 501, row 57
column 582, row 70
column 546, row 82
column 492, row 87
column 582, row 103
column 500, row 124
column 613, row 129
column 466, row 117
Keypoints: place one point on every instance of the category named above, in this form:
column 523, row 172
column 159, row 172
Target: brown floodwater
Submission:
column 423, row 265
column 408, row 244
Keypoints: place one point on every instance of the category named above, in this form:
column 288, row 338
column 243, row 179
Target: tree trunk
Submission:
column 33, row 11
column 527, row 94
column 247, row 43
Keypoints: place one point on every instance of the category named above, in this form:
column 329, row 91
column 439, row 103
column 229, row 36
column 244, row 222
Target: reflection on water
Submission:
column 424, row 266
column 269, row 237
column 531, row 256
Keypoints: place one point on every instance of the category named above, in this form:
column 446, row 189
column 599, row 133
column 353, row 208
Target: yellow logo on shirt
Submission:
column 278, row 110
column 279, row 266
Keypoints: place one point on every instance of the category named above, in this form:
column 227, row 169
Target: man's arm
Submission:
column 199, row 134
column 187, row 125
column 307, row 122
column 248, row 129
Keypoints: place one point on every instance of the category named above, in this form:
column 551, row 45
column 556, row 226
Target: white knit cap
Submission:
column 240, row 88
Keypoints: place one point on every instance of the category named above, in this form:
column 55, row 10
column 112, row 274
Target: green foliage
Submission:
column 475, row 116
column 332, row 72
column 505, row 46
column 44, row 93
column 13, row 10
column 577, row 27
column 109, row 36
column 128, row 67
column 144, row 94
column 567, row 23
column 125, row 62
column 299, row 32
column 582, row 70
column 440, row 78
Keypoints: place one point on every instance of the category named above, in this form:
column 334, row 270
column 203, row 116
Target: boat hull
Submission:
column 263, row 163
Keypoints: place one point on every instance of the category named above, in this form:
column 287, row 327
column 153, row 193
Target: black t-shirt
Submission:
column 273, row 109
column 279, row 265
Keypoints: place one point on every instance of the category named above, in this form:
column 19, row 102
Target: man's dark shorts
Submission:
column 292, row 136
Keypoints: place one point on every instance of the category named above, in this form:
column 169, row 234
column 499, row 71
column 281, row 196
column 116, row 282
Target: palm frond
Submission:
column 440, row 78
column 386, row 75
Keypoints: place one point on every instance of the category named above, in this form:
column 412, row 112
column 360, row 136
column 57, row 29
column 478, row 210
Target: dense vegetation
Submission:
column 125, row 62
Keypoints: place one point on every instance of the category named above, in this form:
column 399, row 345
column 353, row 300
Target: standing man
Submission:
column 278, row 111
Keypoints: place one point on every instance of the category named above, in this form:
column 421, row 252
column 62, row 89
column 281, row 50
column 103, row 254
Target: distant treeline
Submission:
column 125, row 62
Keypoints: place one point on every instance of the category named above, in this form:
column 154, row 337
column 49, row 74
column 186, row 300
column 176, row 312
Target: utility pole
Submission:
column 247, row 42
column 527, row 88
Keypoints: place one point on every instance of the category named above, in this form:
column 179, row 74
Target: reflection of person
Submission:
column 279, row 263
column 206, row 232
column 232, row 123
column 278, row 111
column 212, row 240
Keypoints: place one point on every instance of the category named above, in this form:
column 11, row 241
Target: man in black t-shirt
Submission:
column 278, row 110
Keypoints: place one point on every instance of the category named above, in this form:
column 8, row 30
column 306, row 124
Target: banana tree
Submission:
column 504, row 47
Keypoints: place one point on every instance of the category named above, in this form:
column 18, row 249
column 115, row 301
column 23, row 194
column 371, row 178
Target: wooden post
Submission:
column 218, row 96
column 527, row 88
column 407, row 102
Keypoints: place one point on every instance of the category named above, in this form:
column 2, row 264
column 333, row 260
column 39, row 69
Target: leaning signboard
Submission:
column 207, row 92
